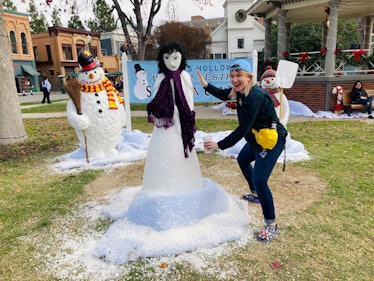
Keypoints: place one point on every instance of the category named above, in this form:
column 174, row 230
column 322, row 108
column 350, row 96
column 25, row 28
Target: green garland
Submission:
column 356, row 59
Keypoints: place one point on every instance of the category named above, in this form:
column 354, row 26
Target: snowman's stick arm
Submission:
column 85, row 146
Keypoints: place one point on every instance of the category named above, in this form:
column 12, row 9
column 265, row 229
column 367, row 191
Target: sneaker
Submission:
column 371, row 117
column 251, row 197
column 267, row 233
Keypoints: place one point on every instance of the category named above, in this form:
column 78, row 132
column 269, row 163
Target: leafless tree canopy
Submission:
column 194, row 41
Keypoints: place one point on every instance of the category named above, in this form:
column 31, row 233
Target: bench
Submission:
column 361, row 107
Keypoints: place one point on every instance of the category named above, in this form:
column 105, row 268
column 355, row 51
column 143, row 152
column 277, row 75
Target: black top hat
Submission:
column 137, row 68
column 86, row 61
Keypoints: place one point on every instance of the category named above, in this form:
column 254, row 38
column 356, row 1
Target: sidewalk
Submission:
column 202, row 112
column 38, row 96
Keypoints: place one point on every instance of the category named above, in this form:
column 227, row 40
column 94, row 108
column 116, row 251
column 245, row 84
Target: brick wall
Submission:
column 315, row 92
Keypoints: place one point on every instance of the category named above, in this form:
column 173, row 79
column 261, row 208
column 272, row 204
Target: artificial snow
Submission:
column 200, row 239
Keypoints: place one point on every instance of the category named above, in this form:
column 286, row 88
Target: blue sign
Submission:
column 142, row 76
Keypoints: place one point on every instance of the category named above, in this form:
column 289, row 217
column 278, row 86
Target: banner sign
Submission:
column 142, row 75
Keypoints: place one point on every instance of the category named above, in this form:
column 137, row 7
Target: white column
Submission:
column 267, row 50
column 288, row 37
column 282, row 33
column 331, row 38
column 368, row 34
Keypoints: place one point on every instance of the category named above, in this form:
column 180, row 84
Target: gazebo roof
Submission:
column 302, row 11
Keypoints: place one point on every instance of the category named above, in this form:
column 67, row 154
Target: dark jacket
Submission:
column 256, row 110
column 356, row 94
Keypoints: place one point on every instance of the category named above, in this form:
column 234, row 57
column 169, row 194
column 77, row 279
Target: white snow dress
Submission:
column 174, row 194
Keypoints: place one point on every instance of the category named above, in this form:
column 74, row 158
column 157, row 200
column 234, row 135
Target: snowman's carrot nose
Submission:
column 91, row 75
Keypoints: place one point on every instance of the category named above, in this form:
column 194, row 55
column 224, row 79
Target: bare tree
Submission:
column 144, row 33
column 133, row 18
column 142, row 28
column 11, row 124
column 194, row 41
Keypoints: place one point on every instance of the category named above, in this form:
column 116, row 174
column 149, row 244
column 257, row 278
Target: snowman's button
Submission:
column 96, row 94
column 98, row 102
column 100, row 110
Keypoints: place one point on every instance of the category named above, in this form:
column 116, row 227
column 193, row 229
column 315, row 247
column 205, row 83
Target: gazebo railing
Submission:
column 347, row 62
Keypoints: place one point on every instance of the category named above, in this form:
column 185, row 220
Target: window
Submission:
column 25, row 48
column 13, row 42
column 67, row 52
column 79, row 47
column 51, row 72
column 36, row 55
column 240, row 43
column 49, row 54
column 93, row 51
column 218, row 56
column 69, row 70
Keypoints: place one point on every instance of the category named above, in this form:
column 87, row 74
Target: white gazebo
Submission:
column 286, row 12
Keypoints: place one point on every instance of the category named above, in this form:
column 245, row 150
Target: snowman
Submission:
column 99, row 123
column 338, row 107
column 281, row 106
column 141, row 89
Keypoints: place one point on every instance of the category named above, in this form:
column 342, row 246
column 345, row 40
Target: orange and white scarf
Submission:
column 107, row 85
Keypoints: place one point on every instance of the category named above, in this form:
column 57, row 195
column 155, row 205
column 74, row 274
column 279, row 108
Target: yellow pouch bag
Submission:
column 266, row 137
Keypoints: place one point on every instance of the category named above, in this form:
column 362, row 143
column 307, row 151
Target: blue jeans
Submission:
column 369, row 102
column 257, row 175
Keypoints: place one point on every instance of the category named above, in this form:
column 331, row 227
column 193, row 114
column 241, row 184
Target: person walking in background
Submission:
column 46, row 88
column 255, row 110
column 28, row 86
column 29, row 83
column 359, row 96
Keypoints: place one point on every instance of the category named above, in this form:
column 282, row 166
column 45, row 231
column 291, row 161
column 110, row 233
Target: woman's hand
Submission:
column 210, row 145
column 201, row 79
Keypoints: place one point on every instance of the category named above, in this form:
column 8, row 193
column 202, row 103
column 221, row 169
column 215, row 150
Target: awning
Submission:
column 17, row 70
column 113, row 74
column 30, row 70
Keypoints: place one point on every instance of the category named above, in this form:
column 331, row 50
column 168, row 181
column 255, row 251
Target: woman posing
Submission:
column 256, row 111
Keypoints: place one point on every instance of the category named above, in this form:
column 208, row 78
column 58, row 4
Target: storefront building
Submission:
column 20, row 43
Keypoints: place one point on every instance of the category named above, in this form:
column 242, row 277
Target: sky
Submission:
column 184, row 9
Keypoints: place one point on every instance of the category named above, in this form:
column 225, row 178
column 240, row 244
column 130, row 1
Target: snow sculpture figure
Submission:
column 172, row 167
column 281, row 106
column 102, row 115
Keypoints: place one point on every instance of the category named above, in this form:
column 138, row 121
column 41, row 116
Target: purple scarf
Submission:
column 162, row 107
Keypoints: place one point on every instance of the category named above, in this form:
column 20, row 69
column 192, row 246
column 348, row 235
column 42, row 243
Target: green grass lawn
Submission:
column 333, row 239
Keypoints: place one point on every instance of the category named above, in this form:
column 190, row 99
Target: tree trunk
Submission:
column 11, row 124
